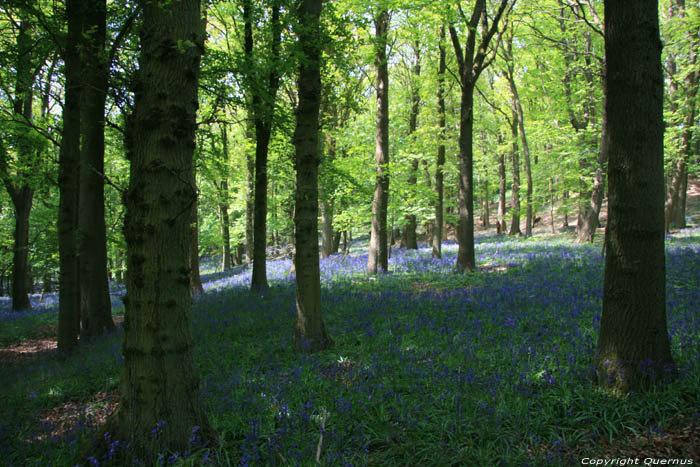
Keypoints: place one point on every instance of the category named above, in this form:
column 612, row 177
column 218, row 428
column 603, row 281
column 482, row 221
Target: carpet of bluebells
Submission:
column 430, row 367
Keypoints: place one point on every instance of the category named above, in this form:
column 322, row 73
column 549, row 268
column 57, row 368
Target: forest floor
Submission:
column 430, row 367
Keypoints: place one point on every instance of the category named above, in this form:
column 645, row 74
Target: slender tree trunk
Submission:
column 223, row 204
column 678, row 216
column 263, row 110
column 249, row 202
column 327, row 228
column 160, row 401
column 680, row 169
column 515, row 221
column 96, row 306
column 440, row 161
column 551, row 201
column 518, row 113
column 378, row 260
column 22, row 202
column 411, row 222
column 633, row 344
column 501, row 228
column 69, row 158
column 309, row 331
column 196, row 287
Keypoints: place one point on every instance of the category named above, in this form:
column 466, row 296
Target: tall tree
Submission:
column 411, row 239
column 440, row 160
column 633, row 344
column 159, row 387
column 69, row 158
column 378, row 259
column 472, row 60
column 224, row 202
column 96, row 307
column 19, row 186
column 309, row 331
column 261, row 86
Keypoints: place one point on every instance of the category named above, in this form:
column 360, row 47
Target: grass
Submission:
column 430, row 368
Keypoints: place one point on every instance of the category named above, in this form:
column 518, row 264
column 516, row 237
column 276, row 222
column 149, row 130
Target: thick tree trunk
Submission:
column 22, row 202
column 96, row 306
column 466, row 260
column 69, row 158
column 633, row 345
column 309, row 331
column 515, row 158
column 678, row 215
column 680, row 173
column 160, row 402
column 378, row 260
column 440, row 161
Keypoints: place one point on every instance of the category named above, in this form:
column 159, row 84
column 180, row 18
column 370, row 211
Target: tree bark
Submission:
column 378, row 260
column 263, row 105
column 196, row 287
column 224, row 203
column 440, row 161
column 518, row 114
column 515, row 158
column 472, row 61
column 327, row 228
column 310, row 332
column 249, row 201
column 411, row 221
column 633, row 344
column 69, row 158
column 96, row 306
column 160, row 403
column 501, row 227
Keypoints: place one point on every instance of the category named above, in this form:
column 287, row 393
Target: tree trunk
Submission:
column 678, row 216
column 196, row 287
column 22, row 202
column 378, row 260
column 160, row 401
column 440, row 161
column 518, row 113
column 263, row 109
column 411, row 222
column 96, row 306
column 223, row 204
column 249, row 202
column 69, row 158
column 327, row 228
column 501, row 228
column 336, row 241
column 515, row 221
column 310, row 333
column 633, row 345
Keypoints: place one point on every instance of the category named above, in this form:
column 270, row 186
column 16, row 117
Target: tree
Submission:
column 262, row 89
column 378, row 259
column 159, row 387
column 69, row 285
column 96, row 307
column 440, row 161
column 633, row 344
column 309, row 331
column 472, row 60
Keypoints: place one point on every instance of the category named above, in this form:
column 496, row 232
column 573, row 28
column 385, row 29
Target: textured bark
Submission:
column 96, row 306
column 310, row 332
column 160, row 406
column 69, row 157
column 262, row 100
column 411, row 222
column 515, row 159
column 22, row 202
column 633, row 344
column 378, row 260
column 472, row 61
